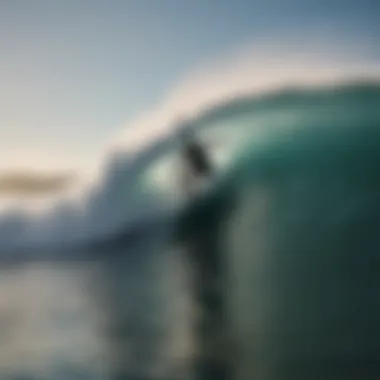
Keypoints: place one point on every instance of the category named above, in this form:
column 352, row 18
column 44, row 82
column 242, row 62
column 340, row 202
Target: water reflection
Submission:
column 122, row 316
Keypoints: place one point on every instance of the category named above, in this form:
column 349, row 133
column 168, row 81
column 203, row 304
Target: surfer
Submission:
column 208, row 267
column 198, row 168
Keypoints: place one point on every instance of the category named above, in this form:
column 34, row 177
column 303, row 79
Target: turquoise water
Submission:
column 303, row 210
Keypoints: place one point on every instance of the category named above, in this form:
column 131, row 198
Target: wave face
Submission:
column 298, row 216
column 136, row 188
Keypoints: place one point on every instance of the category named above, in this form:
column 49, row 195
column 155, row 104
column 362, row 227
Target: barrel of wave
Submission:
column 304, row 257
column 223, row 141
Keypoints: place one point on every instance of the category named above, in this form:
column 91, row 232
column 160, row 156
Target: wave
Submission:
column 140, row 187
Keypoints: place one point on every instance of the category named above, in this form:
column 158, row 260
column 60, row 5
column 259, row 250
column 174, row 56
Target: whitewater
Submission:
column 232, row 108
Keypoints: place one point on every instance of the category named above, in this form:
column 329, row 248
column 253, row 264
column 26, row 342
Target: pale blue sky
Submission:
column 72, row 72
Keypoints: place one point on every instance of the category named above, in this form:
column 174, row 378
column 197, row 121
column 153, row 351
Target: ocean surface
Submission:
column 105, row 290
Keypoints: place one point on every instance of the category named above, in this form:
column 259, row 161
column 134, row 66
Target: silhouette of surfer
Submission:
column 208, row 269
column 198, row 166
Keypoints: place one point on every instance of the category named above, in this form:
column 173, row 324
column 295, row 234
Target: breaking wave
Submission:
column 140, row 185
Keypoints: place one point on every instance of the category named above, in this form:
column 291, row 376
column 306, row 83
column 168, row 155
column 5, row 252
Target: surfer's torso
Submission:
column 198, row 159
column 197, row 167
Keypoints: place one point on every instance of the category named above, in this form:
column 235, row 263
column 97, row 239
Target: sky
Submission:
column 74, row 72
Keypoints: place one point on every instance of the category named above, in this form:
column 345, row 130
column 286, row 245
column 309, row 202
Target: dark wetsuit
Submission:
column 209, row 281
column 196, row 156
